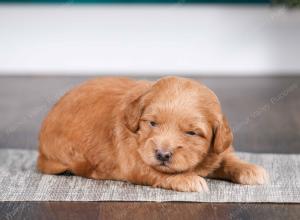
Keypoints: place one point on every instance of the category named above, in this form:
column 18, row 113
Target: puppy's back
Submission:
column 80, row 121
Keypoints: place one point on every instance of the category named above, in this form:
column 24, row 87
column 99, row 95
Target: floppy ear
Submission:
column 135, row 104
column 222, row 136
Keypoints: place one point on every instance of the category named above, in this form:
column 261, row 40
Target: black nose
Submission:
column 163, row 156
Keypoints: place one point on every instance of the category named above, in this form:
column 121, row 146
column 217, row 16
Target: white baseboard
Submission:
column 164, row 39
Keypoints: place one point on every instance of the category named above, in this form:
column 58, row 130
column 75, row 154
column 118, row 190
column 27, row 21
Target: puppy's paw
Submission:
column 190, row 184
column 184, row 183
column 250, row 174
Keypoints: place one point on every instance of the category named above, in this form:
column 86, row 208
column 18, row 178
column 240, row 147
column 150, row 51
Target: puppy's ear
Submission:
column 135, row 105
column 222, row 135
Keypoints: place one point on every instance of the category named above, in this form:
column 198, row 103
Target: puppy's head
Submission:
column 177, row 122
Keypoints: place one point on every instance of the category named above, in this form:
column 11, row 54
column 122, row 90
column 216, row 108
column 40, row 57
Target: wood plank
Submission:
column 146, row 210
column 26, row 100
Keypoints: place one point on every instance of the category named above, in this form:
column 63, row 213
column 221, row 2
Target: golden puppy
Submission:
column 169, row 134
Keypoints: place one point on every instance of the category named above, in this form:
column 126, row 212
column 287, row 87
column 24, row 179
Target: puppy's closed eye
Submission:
column 195, row 133
column 191, row 133
column 152, row 123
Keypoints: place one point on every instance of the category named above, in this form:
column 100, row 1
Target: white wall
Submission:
column 65, row 39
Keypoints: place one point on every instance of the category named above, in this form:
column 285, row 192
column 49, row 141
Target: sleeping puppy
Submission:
column 169, row 134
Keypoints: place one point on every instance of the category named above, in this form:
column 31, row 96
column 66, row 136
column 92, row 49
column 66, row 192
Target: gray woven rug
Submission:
column 20, row 181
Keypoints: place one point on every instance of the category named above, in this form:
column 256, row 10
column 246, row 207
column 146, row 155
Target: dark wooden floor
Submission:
column 263, row 112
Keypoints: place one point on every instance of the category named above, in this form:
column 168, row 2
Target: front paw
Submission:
column 250, row 174
column 184, row 183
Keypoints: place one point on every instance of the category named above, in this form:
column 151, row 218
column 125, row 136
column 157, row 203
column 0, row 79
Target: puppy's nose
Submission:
column 163, row 156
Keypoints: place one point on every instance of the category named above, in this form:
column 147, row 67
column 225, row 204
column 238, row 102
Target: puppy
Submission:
column 169, row 134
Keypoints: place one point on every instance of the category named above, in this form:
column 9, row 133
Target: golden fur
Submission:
column 170, row 134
